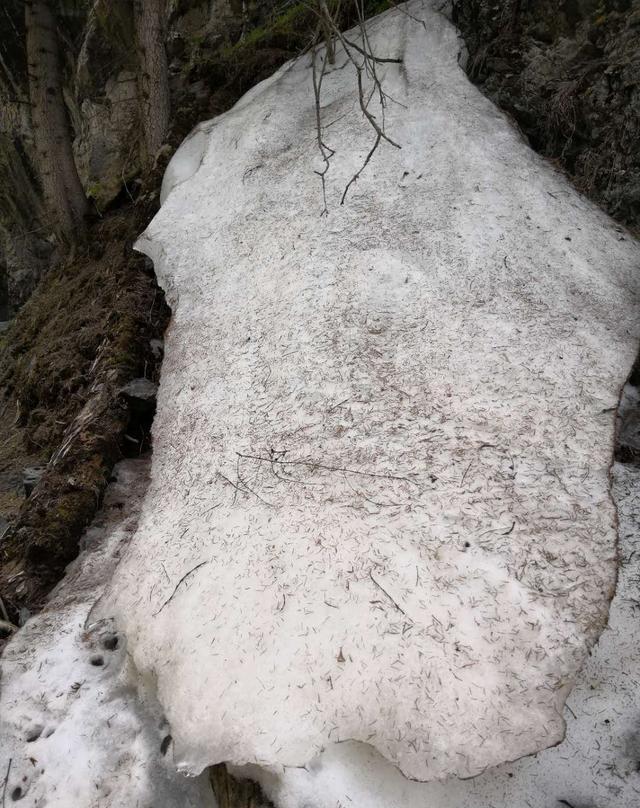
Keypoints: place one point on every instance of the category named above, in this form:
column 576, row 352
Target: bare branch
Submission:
column 362, row 58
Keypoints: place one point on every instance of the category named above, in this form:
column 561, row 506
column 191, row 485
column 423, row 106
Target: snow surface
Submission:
column 596, row 766
column 77, row 729
column 379, row 508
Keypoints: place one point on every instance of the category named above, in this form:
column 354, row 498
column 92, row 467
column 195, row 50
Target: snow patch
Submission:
column 597, row 764
column 379, row 508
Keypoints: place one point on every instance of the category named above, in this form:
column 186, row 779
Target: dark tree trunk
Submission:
column 154, row 74
column 233, row 793
column 64, row 196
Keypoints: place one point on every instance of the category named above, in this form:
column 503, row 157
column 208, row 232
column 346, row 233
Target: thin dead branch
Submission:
column 364, row 61
column 315, row 465
column 177, row 586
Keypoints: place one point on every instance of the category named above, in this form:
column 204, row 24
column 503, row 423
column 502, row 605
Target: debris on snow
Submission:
column 380, row 505
column 597, row 764
column 379, row 523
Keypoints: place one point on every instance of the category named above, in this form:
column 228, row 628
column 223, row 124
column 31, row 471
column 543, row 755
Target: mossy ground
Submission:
column 83, row 334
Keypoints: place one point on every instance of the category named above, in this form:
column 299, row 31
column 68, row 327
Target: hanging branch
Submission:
column 326, row 152
column 363, row 60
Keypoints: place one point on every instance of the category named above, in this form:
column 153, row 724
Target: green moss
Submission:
column 290, row 30
column 377, row 7
column 94, row 189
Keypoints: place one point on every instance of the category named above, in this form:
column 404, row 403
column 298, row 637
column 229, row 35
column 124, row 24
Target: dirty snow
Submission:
column 78, row 728
column 596, row 766
column 379, row 535
column 379, row 508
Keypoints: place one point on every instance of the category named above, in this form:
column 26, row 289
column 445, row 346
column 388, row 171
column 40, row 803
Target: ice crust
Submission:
column 379, row 508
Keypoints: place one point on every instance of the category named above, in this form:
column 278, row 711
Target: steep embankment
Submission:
column 92, row 326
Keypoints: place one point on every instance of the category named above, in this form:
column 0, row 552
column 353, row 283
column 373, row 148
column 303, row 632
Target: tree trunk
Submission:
column 64, row 196
column 233, row 793
column 154, row 74
column 326, row 24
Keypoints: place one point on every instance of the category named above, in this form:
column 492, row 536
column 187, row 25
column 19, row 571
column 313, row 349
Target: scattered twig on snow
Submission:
column 382, row 589
column 315, row 465
column 244, row 489
column 184, row 577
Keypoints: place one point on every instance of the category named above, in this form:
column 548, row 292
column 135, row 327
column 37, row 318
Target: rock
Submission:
column 628, row 438
column 141, row 389
column 31, row 477
column 140, row 394
column 380, row 506
column 107, row 129
column 157, row 348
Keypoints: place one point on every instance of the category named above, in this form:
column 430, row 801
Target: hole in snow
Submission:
column 166, row 743
column 33, row 733
column 110, row 642
column 17, row 794
column 97, row 660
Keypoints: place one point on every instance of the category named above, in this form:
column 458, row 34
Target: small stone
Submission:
column 140, row 394
column 31, row 477
column 142, row 389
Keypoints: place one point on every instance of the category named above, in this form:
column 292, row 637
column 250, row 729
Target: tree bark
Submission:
column 233, row 793
column 64, row 196
column 154, row 74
